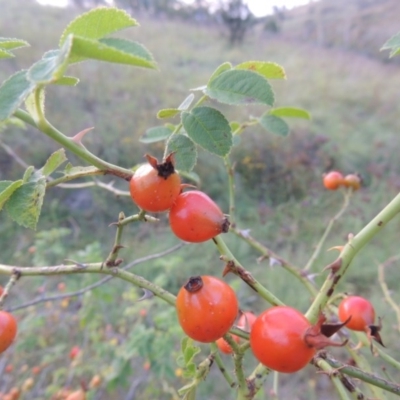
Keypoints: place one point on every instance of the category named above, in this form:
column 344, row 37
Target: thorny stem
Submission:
column 238, row 270
column 269, row 254
column 334, row 375
column 78, row 149
column 6, row 291
column 385, row 289
column 93, row 268
column 318, row 248
column 353, row 246
column 221, row 365
column 231, row 187
column 365, row 376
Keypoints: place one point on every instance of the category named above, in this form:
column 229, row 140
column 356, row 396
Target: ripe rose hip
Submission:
column 195, row 217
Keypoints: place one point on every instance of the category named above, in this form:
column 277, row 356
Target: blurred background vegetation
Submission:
column 330, row 51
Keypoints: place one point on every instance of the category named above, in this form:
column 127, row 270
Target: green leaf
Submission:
column 185, row 152
column 269, row 70
column 186, row 103
column 274, row 124
column 111, row 50
column 240, row 87
column 30, row 103
column 53, row 162
column 207, row 127
column 67, row 81
column 13, row 92
column 6, row 54
column 28, row 173
column 226, row 66
column 7, row 188
column 393, row 44
column 12, row 43
column 52, row 66
column 155, row 134
column 25, row 204
column 167, row 113
column 98, row 23
column 290, row 112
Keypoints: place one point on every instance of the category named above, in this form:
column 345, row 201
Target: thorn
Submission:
column 335, row 266
column 79, row 136
column 339, row 248
column 146, row 295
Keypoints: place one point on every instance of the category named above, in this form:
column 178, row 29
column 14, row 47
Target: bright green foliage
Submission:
column 240, row 87
column 52, row 66
column 168, row 113
column 226, row 66
column 13, row 92
column 25, row 204
column 208, row 127
column 185, row 152
column 269, row 70
column 98, row 23
column 7, row 44
column 393, row 44
column 155, row 134
column 290, row 112
column 274, row 124
column 53, row 162
column 7, row 188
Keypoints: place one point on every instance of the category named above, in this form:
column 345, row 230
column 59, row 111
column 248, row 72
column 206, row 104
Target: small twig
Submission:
column 327, row 231
column 11, row 282
column 96, row 284
column 221, row 366
column 385, row 289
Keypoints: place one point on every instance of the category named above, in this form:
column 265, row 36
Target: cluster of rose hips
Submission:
column 193, row 216
column 281, row 338
column 333, row 180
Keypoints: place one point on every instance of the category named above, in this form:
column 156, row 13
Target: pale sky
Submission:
column 257, row 7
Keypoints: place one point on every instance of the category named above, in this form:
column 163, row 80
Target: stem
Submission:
column 328, row 229
column 354, row 245
column 237, row 269
column 335, row 378
column 231, row 188
column 221, row 366
column 385, row 289
column 269, row 254
column 94, row 268
column 78, row 149
column 258, row 377
column 365, row 376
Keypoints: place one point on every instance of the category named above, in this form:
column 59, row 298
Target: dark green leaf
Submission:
column 13, row 92
column 184, row 150
column 290, row 112
column 155, row 134
column 274, row 124
column 25, row 204
column 207, row 127
column 7, row 188
column 240, row 87
column 98, row 23
column 269, row 70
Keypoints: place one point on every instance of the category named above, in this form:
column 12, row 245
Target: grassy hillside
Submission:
column 355, row 25
column 354, row 101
